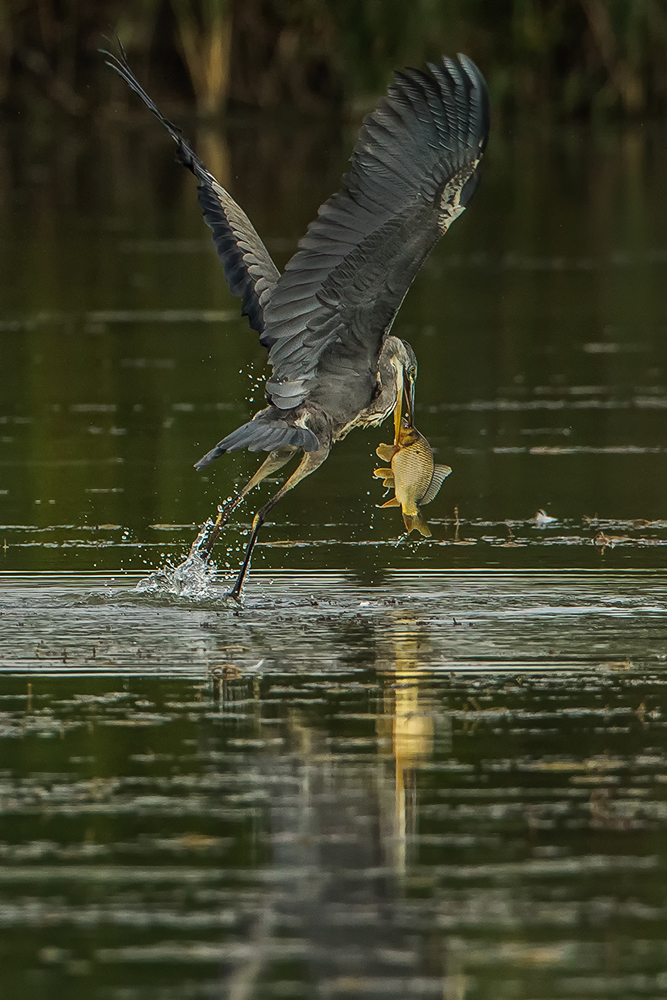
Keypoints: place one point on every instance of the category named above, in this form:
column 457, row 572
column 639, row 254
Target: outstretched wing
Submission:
column 249, row 270
column 413, row 171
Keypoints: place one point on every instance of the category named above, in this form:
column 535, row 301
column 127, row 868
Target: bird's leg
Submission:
column 310, row 461
column 273, row 462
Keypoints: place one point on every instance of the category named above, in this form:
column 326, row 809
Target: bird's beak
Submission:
column 406, row 391
column 398, row 413
column 398, row 409
column 409, row 393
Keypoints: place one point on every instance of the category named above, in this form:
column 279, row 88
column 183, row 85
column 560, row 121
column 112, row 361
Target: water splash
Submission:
column 194, row 577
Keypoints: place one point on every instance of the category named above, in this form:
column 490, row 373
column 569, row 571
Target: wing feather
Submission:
column 249, row 269
column 413, row 171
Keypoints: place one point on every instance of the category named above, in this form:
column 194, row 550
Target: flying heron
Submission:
column 326, row 321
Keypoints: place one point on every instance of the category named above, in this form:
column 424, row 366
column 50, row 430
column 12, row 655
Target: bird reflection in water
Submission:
column 339, row 822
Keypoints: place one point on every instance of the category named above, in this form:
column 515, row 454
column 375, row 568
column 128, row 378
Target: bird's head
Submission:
column 407, row 365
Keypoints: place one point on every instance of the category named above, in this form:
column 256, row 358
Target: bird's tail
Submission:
column 267, row 431
column 416, row 522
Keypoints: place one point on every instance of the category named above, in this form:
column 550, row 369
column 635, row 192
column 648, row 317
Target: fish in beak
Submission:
column 413, row 475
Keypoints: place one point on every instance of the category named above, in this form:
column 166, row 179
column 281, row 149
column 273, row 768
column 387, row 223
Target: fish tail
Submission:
column 415, row 522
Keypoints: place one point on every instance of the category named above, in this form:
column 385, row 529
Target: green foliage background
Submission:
column 561, row 57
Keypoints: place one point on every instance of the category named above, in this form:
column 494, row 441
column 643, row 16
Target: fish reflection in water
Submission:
column 341, row 831
column 413, row 475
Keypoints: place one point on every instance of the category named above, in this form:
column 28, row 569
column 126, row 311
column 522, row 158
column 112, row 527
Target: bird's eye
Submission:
column 412, row 371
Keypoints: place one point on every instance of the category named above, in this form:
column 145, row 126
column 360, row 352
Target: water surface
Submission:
column 443, row 785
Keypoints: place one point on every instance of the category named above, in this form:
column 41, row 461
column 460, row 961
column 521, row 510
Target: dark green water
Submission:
column 400, row 770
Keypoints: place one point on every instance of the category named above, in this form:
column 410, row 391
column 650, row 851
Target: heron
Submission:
column 327, row 320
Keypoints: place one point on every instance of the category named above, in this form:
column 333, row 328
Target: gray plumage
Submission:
column 413, row 170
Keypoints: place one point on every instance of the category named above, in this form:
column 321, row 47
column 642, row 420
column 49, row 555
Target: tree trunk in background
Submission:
column 204, row 40
column 560, row 57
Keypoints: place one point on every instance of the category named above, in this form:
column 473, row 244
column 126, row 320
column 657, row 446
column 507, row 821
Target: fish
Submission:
column 414, row 476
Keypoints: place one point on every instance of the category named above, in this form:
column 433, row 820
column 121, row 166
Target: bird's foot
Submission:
column 233, row 601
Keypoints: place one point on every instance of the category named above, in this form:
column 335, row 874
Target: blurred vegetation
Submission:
column 565, row 57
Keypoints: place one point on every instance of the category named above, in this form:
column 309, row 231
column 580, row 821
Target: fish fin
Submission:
column 440, row 473
column 386, row 451
column 385, row 474
column 416, row 522
column 394, row 502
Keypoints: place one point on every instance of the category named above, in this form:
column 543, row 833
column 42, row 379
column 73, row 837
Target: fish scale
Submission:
column 413, row 471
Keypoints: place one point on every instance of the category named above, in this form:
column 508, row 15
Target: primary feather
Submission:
column 249, row 269
column 413, row 171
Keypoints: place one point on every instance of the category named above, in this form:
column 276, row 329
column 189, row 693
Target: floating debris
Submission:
column 542, row 519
